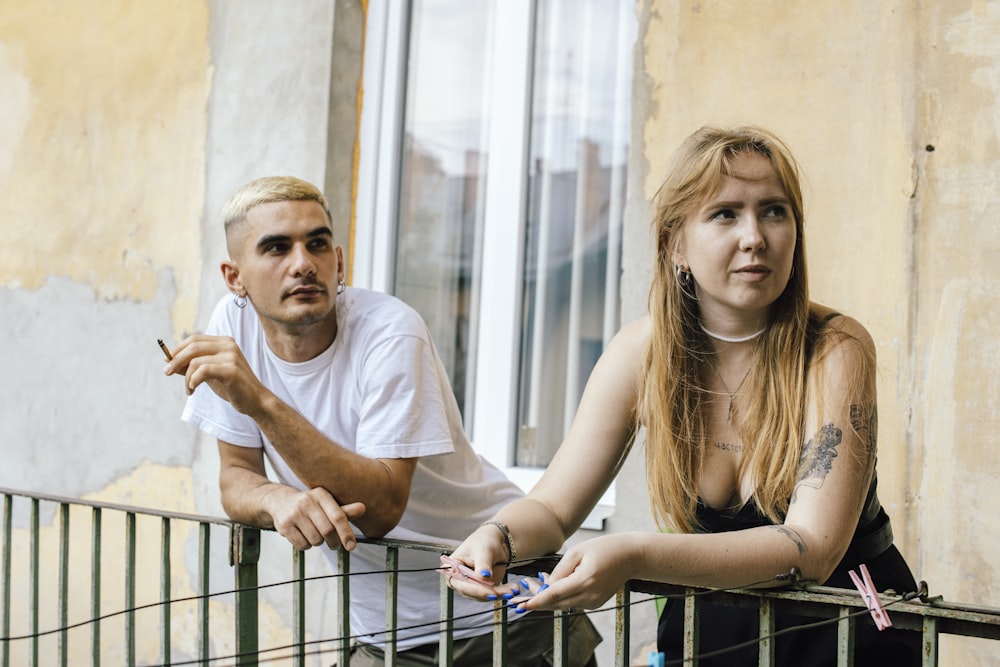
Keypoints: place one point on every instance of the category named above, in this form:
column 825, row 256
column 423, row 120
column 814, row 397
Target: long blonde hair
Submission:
column 672, row 396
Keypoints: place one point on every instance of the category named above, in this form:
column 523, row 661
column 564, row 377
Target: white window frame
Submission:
column 493, row 429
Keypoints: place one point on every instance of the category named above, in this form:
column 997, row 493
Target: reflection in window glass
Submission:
column 442, row 177
column 580, row 93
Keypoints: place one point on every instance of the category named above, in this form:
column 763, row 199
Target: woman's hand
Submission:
column 485, row 553
column 589, row 574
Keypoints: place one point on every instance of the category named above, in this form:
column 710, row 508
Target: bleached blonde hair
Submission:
column 266, row 190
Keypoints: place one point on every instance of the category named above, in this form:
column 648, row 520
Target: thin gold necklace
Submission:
column 732, row 394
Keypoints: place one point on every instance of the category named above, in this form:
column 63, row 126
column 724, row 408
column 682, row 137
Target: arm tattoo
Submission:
column 864, row 421
column 817, row 457
column 796, row 539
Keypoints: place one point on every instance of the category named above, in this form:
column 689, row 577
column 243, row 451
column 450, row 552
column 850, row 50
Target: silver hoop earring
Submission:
column 341, row 286
column 240, row 300
column 684, row 278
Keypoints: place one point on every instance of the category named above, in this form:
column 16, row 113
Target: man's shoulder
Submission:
column 381, row 314
column 228, row 319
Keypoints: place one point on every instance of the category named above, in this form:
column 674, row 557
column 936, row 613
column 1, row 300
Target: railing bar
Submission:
column 204, row 555
column 560, row 633
column 95, row 586
column 63, row 650
column 690, row 627
column 499, row 634
column 765, row 625
column 130, row 543
column 165, row 588
column 245, row 554
column 391, row 600
column 298, row 607
column 343, row 605
column 623, row 623
column 33, row 615
column 8, row 525
column 446, row 630
column 845, row 638
column 930, row 642
column 813, row 594
column 125, row 509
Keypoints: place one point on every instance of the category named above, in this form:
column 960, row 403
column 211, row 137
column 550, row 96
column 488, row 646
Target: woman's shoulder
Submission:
column 634, row 334
column 837, row 332
column 627, row 348
column 834, row 321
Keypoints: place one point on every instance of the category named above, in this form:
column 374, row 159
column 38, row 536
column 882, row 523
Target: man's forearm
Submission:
column 320, row 462
column 243, row 495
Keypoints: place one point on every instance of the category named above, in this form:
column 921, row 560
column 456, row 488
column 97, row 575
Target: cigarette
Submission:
column 166, row 352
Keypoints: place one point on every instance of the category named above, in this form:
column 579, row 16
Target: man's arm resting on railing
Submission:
column 304, row 518
column 382, row 485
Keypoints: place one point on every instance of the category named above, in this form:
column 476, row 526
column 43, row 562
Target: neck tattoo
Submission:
column 732, row 339
column 732, row 394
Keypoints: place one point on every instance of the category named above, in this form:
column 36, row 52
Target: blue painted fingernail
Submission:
column 520, row 610
column 524, row 582
column 486, row 573
column 491, row 597
column 541, row 576
column 542, row 587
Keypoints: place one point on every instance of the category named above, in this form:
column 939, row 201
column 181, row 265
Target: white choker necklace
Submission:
column 731, row 339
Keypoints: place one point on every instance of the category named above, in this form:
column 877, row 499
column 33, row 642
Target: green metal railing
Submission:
column 25, row 646
column 109, row 629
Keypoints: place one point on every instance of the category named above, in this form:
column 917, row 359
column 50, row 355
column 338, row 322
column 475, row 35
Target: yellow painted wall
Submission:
column 893, row 110
column 103, row 135
column 102, row 145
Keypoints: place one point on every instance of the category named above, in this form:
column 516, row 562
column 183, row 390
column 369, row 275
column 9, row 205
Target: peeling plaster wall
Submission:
column 956, row 348
column 124, row 127
column 103, row 146
column 892, row 110
column 101, row 194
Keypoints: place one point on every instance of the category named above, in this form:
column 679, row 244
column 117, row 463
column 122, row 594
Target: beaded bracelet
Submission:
column 502, row 527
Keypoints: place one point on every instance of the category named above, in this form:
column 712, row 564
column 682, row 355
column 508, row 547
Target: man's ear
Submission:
column 341, row 266
column 231, row 275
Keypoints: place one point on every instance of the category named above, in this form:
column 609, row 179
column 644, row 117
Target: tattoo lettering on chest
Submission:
column 729, row 447
column 817, row 457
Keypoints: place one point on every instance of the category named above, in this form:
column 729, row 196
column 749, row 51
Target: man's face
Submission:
column 287, row 264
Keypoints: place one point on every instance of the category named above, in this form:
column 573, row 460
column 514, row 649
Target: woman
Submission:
column 760, row 414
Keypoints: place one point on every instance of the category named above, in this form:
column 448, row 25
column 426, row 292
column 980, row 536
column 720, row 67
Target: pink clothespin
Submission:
column 459, row 570
column 872, row 600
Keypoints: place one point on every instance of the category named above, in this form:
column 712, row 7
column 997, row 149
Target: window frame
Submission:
column 492, row 427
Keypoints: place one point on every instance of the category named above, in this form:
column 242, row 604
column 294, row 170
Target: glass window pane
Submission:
column 580, row 110
column 442, row 177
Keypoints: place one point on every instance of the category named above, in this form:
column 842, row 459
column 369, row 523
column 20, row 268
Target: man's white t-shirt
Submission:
column 380, row 390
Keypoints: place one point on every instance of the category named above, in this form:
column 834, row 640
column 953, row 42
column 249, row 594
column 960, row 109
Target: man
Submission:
column 343, row 391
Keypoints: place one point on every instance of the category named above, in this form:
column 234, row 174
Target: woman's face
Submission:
column 739, row 245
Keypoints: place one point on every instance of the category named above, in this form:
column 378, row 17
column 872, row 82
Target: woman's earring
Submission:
column 684, row 278
column 240, row 300
column 341, row 286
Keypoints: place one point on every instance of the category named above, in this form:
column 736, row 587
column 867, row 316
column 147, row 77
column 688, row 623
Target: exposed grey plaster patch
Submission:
column 83, row 397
